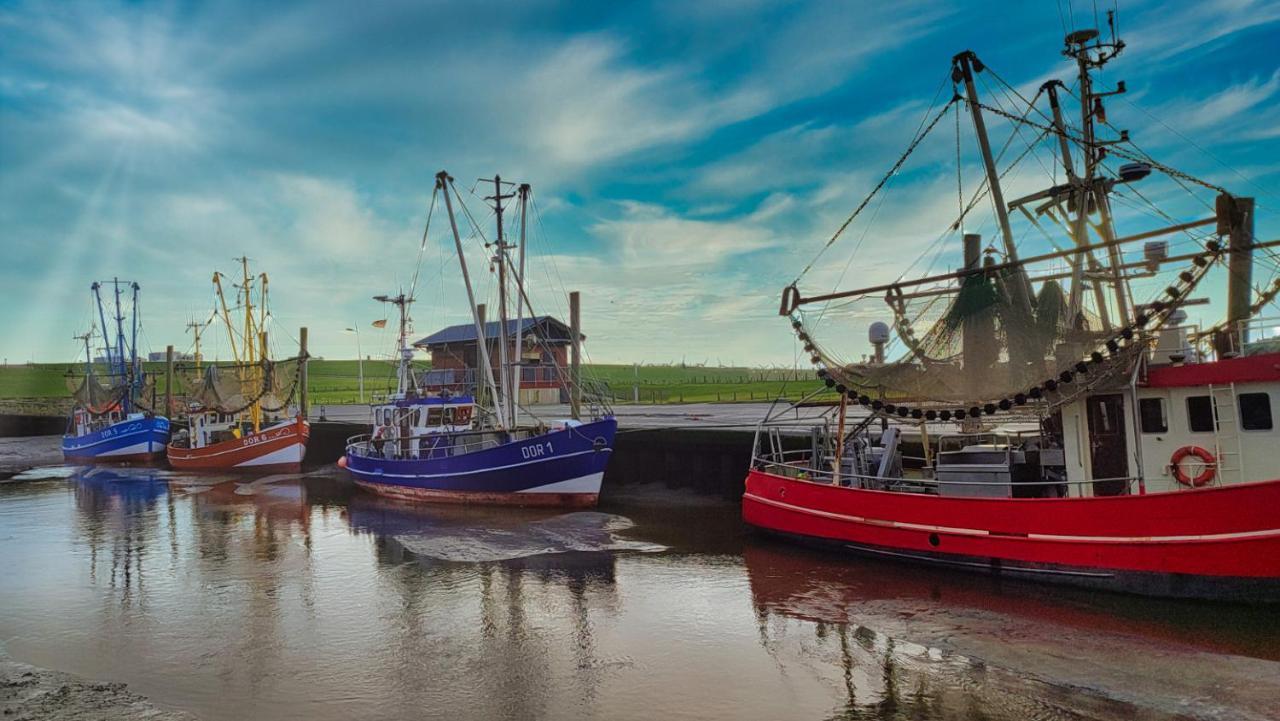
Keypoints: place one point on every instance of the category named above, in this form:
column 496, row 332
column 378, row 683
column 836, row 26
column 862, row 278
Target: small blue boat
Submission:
column 449, row 448
column 110, row 423
column 136, row 438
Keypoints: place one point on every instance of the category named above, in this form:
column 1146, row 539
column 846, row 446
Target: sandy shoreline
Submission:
column 28, row 693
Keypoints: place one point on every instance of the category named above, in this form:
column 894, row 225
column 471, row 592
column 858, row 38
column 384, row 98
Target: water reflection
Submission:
column 295, row 596
column 914, row 644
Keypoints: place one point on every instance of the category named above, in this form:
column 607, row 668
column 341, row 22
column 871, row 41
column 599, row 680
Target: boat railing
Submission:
column 802, row 464
column 431, row 445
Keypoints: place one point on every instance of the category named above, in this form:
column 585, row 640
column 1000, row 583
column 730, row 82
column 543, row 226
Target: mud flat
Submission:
column 28, row 693
column 21, row 453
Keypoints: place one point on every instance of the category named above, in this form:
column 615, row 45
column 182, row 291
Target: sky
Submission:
column 687, row 159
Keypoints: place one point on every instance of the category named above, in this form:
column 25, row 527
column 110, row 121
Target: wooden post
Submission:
column 575, row 357
column 1238, row 216
column 302, row 372
column 168, row 381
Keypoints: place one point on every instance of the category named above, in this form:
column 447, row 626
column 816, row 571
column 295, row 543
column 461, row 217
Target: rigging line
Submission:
column 1111, row 149
column 892, row 171
column 413, row 286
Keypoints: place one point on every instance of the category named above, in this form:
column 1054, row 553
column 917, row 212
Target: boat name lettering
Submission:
column 537, row 450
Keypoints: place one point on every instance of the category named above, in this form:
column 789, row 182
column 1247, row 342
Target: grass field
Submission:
column 43, row 387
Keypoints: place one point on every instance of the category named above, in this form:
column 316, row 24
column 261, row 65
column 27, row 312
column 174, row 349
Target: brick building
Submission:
column 545, row 358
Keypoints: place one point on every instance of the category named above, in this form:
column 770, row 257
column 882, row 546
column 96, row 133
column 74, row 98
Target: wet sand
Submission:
column 28, row 693
column 21, row 453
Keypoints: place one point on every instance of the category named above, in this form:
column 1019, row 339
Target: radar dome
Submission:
column 878, row 332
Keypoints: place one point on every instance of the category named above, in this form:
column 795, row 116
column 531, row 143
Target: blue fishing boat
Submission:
column 445, row 446
column 110, row 422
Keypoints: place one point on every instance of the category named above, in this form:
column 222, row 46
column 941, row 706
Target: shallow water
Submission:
column 290, row 597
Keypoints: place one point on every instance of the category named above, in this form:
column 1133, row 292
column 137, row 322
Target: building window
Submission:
column 1255, row 411
column 1152, row 414
column 1200, row 414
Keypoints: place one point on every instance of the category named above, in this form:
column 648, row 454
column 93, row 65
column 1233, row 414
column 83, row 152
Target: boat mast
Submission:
column 226, row 315
column 443, row 183
column 404, row 371
column 505, row 403
column 1020, row 287
column 517, row 363
column 1078, row 47
column 250, row 337
column 102, row 318
column 135, row 379
column 120, row 351
column 196, row 328
column 88, row 360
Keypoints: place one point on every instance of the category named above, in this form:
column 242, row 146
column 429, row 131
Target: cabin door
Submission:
column 1108, row 449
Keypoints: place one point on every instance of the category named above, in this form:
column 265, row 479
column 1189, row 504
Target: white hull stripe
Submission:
column 289, row 454
column 144, row 447
column 1235, row 536
column 589, row 483
column 481, row 470
column 237, row 449
column 140, row 432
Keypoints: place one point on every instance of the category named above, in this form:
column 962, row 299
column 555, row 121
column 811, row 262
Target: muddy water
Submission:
column 297, row 597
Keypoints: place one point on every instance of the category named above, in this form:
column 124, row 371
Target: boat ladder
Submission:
column 1226, row 433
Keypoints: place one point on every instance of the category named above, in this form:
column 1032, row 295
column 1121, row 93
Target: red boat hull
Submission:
column 279, row 449
column 1205, row 543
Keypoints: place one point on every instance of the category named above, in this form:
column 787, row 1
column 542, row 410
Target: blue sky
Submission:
column 687, row 157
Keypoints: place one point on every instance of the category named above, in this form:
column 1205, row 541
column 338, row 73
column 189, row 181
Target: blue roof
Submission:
column 466, row 332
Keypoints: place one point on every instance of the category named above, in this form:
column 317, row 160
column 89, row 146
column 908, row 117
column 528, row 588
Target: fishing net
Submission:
column 99, row 391
column 969, row 345
column 233, row 388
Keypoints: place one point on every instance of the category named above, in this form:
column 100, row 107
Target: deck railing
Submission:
column 802, row 464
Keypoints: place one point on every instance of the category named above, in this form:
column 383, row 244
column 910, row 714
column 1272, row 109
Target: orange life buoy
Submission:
column 1210, row 465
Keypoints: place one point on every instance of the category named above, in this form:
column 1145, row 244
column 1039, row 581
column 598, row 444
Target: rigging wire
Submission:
column 920, row 136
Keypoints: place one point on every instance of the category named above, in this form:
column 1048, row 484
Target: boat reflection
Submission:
column 814, row 586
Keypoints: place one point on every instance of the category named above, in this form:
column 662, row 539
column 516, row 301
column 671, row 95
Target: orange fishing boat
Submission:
column 240, row 415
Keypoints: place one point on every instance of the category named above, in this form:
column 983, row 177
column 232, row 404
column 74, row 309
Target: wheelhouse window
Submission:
column 1200, row 414
column 433, row 417
column 1255, row 411
column 1152, row 415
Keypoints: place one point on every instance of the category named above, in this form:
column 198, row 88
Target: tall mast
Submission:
column 226, row 315
column 120, row 351
column 133, row 345
column 505, row 403
column 1078, row 46
column 102, row 318
column 404, row 371
column 443, row 182
column 518, row 345
column 1079, row 228
column 88, row 355
column 251, row 339
column 1020, row 287
column 196, row 328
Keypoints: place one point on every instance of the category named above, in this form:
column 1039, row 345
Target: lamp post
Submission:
column 359, row 358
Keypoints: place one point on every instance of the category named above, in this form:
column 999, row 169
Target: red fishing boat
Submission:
column 1052, row 415
column 239, row 414
column 277, row 447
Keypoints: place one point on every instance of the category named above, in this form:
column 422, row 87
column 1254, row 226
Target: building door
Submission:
column 1108, row 449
